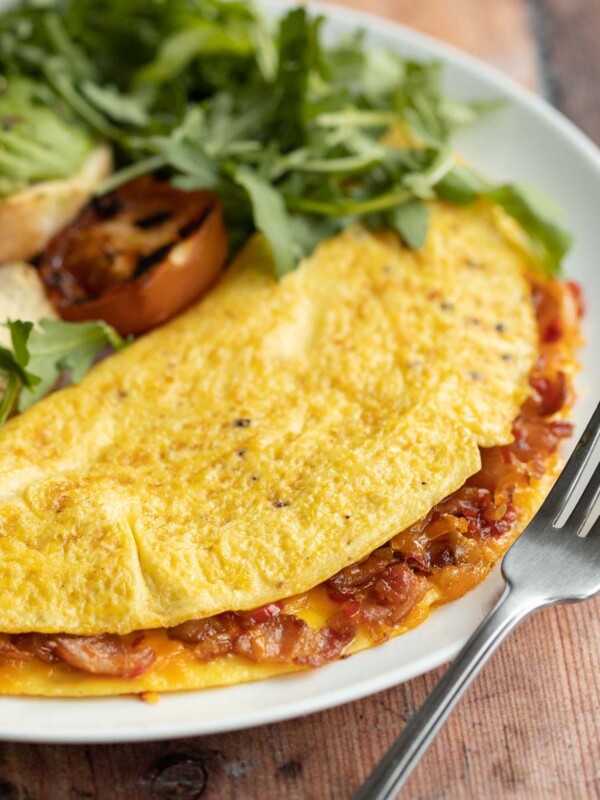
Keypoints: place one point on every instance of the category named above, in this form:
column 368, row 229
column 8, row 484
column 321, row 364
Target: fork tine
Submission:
column 585, row 504
column 594, row 530
column 568, row 479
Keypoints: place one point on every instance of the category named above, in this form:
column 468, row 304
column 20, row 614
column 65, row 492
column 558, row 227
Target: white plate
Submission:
column 526, row 141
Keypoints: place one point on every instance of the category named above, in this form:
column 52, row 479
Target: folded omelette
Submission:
column 263, row 441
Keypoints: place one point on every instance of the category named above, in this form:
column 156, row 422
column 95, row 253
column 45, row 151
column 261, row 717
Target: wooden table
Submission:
column 530, row 727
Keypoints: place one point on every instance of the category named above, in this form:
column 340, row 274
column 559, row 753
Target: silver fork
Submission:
column 547, row 564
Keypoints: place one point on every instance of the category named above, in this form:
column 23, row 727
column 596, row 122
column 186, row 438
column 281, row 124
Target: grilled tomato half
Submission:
column 136, row 257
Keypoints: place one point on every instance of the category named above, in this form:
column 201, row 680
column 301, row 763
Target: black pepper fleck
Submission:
column 243, row 422
column 346, row 516
column 241, row 453
column 447, row 306
column 423, row 483
column 475, row 376
column 254, row 477
column 280, row 504
column 506, row 357
column 501, row 327
column 472, row 264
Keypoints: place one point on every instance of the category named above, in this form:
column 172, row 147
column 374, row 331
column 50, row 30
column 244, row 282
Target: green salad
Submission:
column 292, row 133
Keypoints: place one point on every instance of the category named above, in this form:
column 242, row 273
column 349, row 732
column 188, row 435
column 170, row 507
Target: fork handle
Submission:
column 394, row 768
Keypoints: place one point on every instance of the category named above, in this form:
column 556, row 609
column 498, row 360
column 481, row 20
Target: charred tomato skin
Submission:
column 136, row 257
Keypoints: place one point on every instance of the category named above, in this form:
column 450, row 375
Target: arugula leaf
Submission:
column 422, row 181
column 9, row 365
column 118, row 107
column 11, row 391
column 535, row 213
column 382, row 73
column 289, row 116
column 461, row 185
column 183, row 47
column 12, row 368
column 19, row 334
column 419, row 100
column 60, row 346
column 411, row 221
column 308, row 231
column 65, row 47
column 271, row 218
column 549, row 240
column 265, row 48
column 130, row 173
column 39, row 357
column 190, row 158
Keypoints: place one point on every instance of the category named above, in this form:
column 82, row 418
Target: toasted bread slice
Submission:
column 30, row 218
column 21, row 297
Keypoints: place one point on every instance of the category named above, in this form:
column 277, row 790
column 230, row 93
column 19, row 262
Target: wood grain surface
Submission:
column 529, row 729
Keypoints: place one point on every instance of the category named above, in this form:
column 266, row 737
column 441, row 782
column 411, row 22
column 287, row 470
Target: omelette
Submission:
column 245, row 464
